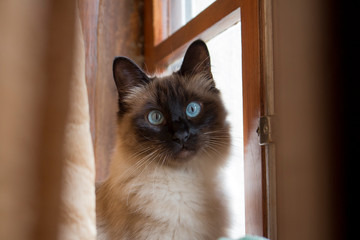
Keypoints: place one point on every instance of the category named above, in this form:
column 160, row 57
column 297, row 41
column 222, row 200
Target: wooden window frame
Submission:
column 218, row 17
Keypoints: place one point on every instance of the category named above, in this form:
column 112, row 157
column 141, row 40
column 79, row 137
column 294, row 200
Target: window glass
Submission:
column 182, row 11
column 225, row 53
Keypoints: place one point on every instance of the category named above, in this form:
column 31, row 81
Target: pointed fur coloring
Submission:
column 160, row 187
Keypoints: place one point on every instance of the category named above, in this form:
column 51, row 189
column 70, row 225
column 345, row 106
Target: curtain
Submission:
column 46, row 157
column 58, row 110
column 77, row 215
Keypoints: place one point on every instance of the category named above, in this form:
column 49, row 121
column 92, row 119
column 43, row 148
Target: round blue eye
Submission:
column 155, row 117
column 193, row 109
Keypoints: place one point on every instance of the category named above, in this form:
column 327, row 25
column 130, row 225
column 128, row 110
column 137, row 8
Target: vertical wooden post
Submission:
column 267, row 94
column 153, row 31
column 254, row 185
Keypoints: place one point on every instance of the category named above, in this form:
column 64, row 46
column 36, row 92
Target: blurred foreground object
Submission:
column 37, row 69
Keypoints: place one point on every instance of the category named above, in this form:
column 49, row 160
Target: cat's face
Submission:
column 172, row 119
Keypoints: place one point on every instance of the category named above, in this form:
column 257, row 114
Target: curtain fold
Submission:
column 78, row 194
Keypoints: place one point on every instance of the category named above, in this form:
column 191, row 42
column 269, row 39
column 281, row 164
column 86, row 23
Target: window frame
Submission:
column 159, row 53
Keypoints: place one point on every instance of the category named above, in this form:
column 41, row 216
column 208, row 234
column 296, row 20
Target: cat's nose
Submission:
column 181, row 136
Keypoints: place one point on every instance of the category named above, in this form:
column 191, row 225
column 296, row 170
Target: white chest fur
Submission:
column 175, row 199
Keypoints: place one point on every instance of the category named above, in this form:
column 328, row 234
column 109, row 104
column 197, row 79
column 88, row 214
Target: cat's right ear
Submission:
column 127, row 75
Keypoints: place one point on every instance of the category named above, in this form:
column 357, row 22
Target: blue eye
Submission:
column 155, row 117
column 193, row 109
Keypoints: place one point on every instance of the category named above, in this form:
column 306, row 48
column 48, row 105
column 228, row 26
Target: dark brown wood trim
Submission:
column 153, row 32
column 254, row 211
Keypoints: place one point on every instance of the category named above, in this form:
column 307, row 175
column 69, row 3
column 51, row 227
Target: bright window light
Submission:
column 182, row 11
column 225, row 53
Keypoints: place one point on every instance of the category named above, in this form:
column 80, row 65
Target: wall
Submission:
column 308, row 106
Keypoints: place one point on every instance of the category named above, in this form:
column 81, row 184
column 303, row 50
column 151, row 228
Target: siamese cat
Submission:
column 172, row 140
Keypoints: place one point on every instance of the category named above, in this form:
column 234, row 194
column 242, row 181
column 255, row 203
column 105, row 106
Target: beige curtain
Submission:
column 46, row 157
column 78, row 194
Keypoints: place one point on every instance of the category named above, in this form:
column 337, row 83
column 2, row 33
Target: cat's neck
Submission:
column 126, row 165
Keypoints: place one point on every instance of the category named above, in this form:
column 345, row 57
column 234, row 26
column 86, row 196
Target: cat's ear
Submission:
column 127, row 75
column 196, row 60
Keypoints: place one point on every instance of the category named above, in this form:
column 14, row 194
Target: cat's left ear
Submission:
column 196, row 60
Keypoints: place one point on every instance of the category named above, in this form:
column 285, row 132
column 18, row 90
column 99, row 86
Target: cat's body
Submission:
column 161, row 203
column 163, row 177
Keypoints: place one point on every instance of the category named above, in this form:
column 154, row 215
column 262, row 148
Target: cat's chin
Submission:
column 185, row 154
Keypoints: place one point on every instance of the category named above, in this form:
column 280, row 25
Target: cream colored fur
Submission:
column 155, row 202
column 78, row 196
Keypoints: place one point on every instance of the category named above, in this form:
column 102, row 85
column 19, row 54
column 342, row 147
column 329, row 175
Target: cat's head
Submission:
column 172, row 119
